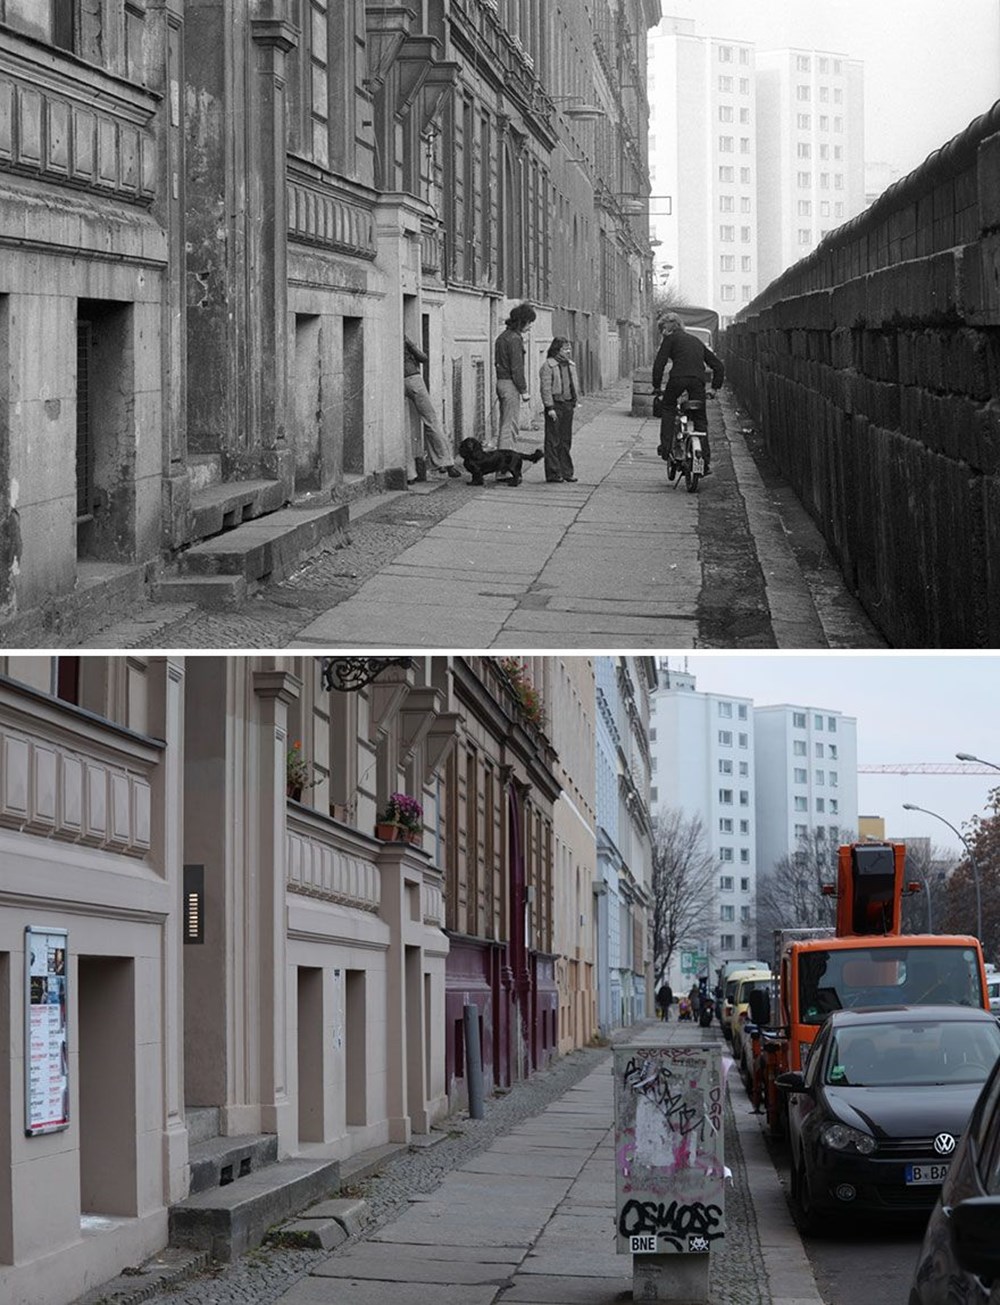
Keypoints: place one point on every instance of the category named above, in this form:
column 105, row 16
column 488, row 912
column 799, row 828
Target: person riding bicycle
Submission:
column 690, row 358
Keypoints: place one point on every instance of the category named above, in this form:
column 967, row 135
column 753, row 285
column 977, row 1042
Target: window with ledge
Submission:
column 727, row 941
column 798, row 747
column 52, row 21
column 725, row 883
column 726, row 914
column 725, row 854
column 725, row 738
column 725, row 767
column 744, row 826
column 726, row 710
column 725, row 825
column 744, row 884
column 798, row 720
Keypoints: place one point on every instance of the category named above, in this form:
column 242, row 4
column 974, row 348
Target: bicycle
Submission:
column 686, row 457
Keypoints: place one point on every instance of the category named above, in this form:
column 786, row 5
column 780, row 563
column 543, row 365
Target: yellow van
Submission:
column 761, row 981
column 729, row 994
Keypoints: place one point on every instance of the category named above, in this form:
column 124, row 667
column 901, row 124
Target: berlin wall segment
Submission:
column 872, row 368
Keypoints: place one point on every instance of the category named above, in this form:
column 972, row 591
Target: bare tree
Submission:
column 683, row 887
column 928, row 865
column 790, row 896
column 964, row 904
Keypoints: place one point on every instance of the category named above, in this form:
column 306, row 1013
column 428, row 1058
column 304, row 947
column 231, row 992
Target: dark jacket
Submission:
column 413, row 357
column 690, row 358
column 508, row 354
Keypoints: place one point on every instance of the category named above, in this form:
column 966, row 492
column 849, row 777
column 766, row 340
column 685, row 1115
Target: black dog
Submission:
column 480, row 462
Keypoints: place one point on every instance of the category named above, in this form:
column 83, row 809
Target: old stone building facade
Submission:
column 220, row 217
column 247, row 975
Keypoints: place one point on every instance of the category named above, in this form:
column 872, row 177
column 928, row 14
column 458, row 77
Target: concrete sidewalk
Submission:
column 531, row 1219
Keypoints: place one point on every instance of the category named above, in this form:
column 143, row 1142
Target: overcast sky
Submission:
column 909, row 707
column 931, row 65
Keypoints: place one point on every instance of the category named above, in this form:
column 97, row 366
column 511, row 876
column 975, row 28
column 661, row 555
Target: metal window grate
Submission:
column 84, row 434
column 479, row 386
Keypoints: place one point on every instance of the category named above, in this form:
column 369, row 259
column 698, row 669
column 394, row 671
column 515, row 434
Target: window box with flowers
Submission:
column 401, row 820
column 529, row 700
column 298, row 773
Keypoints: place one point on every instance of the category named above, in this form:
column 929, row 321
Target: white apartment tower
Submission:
column 702, row 154
column 807, row 779
column 702, row 752
column 810, row 151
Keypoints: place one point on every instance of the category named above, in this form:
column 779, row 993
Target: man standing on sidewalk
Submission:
column 512, row 387
column 664, row 999
column 416, row 391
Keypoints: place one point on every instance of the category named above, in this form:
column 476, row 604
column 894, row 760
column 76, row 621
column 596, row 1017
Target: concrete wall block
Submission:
column 849, row 302
column 988, row 183
column 989, row 491
column 986, row 437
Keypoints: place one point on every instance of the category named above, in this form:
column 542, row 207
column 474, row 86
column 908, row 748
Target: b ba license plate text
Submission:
column 926, row 1173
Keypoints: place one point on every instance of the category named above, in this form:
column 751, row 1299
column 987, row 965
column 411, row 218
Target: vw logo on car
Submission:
column 944, row 1144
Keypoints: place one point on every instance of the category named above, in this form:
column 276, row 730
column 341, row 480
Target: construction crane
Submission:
column 930, row 768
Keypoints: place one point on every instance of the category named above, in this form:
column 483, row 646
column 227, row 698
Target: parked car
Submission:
column 875, row 1117
column 731, row 984
column 961, row 1250
column 993, row 987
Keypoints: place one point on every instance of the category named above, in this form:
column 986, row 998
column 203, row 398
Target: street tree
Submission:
column 928, row 865
column 790, row 894
column 982, row 833
column 683, row 887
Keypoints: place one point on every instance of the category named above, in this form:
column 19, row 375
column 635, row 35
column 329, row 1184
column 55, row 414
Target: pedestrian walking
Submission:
column 560, row 391
column 664, row 999
column 694, row 997
column 434, row 440
column 512, row 387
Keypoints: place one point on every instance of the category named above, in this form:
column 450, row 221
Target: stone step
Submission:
column 268, row 548
column 227, row 1221
column 219, row 1161
column 215, row 591
column 225, row 506
column 202, row 1123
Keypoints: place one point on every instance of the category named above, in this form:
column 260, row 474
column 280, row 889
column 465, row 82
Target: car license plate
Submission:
column 916, row 1174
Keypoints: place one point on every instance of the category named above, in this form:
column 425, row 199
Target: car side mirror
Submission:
column 760, row 1006
column 973, row 1229
column 793, row 1080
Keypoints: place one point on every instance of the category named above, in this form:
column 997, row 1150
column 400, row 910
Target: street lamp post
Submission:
column 967, row 756
column 910, row 806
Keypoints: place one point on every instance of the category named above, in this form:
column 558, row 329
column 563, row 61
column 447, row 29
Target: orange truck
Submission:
column 865, row 961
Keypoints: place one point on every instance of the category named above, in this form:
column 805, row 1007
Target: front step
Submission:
column 226, row 505
column 227, row 1221
column 219, row 1161
column 269, row 547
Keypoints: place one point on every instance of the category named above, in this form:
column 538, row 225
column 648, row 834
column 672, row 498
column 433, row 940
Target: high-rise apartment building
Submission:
column 703, row 752
column 810, row 151
column 702, row 154
column 807, row 779
column 760, row 153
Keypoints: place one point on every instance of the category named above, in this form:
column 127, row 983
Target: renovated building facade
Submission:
column 238, row 209
column 212, row 946
column 624, row 686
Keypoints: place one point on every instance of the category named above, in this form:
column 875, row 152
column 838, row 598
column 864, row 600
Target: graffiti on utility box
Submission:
column 669, row 1161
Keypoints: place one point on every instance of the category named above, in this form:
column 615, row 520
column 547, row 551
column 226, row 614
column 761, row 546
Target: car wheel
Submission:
column 805, row 1211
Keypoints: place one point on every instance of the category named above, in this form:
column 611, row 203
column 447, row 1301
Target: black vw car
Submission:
column 876, row 1115
column 959, row 1262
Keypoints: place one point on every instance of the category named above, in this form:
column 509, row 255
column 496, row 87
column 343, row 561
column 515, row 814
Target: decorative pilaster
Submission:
column 273, row 691
column 267, row 245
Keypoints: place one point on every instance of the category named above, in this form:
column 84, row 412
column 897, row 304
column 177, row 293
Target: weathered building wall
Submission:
column 873, row 368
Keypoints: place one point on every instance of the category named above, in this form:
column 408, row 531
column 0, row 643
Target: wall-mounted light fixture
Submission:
column 574, row 106
column 635, row 204
column 349, row 674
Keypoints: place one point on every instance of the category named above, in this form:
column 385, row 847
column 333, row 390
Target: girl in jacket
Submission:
column 560, row 391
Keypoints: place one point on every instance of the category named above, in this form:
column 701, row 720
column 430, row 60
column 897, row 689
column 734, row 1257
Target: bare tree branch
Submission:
column 791, row 897
column 683, row 887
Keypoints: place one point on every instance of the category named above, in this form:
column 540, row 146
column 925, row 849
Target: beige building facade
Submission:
column 297, row 994
column 204, row 918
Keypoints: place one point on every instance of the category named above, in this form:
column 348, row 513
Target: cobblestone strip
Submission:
column 261, row 1276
